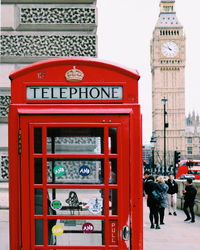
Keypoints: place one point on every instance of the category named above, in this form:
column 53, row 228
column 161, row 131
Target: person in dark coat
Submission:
column 172, row 195
column 147, row 173
column 189, row 197
column 163, row 203
column 149, row 186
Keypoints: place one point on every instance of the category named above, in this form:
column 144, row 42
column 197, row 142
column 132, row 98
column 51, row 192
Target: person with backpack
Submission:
column 153, row 203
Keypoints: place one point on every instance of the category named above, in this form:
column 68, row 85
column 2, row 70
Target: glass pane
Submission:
column 74, row 140
column 113, row 201
column 83, row 171
column 76, row 201
column 39, row 232
column 38, row 170
column 37, row 140
column 78, row 232
column 113, row 171
column 38, row 201
column 113, row 140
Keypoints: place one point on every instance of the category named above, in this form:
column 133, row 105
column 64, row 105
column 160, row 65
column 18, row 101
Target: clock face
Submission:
column 170, row 49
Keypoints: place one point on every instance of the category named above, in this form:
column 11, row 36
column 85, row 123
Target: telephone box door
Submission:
column 75, row 182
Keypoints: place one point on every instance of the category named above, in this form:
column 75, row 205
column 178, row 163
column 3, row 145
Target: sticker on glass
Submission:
column 59, row 170
column 84, row 170
column 87, row 227
column 56, row 204
column 95, row 205
column 57, row 230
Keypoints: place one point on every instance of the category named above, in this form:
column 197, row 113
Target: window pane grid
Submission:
column 110, row 184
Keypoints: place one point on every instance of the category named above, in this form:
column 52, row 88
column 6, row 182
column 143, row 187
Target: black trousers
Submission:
column 190, row 205
column 162, row 214
column 153, row 215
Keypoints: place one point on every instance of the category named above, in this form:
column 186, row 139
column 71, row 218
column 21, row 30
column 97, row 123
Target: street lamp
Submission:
column 164, row 100
column 153, row 142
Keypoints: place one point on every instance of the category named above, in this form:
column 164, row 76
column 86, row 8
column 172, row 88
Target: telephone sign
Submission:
column 75, row 155
column 74, row 93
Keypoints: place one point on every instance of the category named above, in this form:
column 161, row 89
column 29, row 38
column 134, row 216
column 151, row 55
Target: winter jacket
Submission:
column 173, row 186
column 190, row 194
column 164, row 187
column 150, row 186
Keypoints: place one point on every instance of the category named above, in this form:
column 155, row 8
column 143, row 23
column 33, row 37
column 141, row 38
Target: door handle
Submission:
column 125, row 233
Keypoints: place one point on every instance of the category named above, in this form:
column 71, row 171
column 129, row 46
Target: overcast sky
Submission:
column 124, row 32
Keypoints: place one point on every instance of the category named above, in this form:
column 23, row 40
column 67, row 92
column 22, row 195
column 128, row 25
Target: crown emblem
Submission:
column 74, row 75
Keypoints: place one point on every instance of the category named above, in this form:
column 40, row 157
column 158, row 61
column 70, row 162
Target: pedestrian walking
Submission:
column 189, row 197
column 172, row 195
column 163, row 203
column 150, row 186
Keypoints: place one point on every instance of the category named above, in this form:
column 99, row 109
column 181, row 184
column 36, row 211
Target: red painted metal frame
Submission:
column 96, row 73
column 123, row 177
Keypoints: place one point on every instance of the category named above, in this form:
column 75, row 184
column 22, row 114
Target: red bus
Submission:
column 189, row 167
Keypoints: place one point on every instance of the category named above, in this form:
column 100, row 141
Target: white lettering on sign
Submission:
column 74, row 93
column 113, row 232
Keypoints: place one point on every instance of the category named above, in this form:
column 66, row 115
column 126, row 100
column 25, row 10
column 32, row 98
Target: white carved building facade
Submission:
column 34, row 30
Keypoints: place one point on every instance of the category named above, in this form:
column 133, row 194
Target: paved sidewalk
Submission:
column 174, row 235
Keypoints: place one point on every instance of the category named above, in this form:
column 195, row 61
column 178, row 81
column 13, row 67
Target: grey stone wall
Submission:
column 4, row 173
column 57, row 15
column 4, row 102
column 37, row 33
column 33, row 47
column 50, row 1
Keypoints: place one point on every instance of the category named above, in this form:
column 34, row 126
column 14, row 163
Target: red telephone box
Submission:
column 75, row 156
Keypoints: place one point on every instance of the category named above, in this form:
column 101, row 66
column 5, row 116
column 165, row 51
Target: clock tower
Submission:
column 168, row 84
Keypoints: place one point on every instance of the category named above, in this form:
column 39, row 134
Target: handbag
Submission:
column 157, row 195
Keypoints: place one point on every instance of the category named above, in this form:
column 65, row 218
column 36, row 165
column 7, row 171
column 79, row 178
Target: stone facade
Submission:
column 29, row 47
column 36, row 30
column 4, row 166
column 192, row 137
column 4, row 103
column 168, row 80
